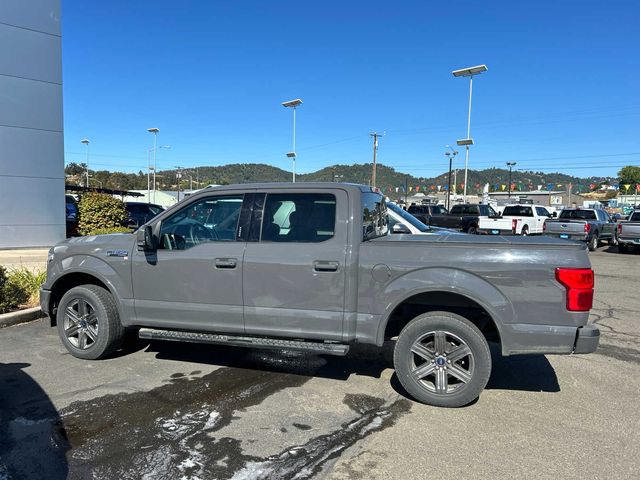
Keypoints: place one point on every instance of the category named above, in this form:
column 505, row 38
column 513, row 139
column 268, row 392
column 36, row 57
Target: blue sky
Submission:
column 561, row 93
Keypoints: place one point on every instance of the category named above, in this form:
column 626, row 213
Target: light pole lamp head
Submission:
column 153, row 130
column 292, row 103
column 470, row 71
column 85, row 141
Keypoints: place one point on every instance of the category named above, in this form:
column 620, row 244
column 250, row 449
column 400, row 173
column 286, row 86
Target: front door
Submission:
column 294, row 271
column 194, row 280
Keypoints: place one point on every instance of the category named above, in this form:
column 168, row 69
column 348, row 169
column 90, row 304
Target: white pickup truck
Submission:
column 516, row 220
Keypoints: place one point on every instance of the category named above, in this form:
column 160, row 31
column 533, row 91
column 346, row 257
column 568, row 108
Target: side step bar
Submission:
column 239, row 341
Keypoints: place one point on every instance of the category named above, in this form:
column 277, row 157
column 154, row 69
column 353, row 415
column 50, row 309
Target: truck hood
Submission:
column 94, row 244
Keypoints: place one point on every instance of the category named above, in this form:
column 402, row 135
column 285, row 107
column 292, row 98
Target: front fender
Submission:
column 439, row 279
column 115, row 276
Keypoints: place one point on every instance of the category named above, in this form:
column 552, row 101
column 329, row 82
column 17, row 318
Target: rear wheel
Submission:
column 472, row 230
column 88, row 322
column 614, row 239
column 622, row 248
column 525, row 231
column 593, row 243
column 442, row 359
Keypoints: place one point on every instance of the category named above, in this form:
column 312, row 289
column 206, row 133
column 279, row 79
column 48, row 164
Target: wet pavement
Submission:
column 182, row 411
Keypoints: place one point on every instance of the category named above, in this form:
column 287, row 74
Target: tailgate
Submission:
column 495, row 226
column 629, row 231
column 566, row 227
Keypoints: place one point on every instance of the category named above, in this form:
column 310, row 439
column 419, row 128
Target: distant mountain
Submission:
column 388, row 179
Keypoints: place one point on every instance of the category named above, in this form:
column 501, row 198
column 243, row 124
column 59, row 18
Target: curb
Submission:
column 21, row 316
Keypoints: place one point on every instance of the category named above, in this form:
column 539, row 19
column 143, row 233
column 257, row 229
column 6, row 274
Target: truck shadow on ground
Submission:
column 33, row 441
column 531, row 373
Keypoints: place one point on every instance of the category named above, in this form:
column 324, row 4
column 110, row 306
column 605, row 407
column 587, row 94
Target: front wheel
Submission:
column 442, row 359
column 88, row 322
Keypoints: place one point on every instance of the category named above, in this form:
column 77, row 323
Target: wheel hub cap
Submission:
column 441, row 361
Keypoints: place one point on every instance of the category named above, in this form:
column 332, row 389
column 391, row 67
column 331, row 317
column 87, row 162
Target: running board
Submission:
column 238, row 341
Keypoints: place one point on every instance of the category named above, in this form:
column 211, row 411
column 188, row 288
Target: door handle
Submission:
column 226, row 262
column 325, row 266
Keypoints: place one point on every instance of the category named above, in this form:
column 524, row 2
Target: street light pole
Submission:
column 452, row 154
column 375, row 136
column 86, row 143
column 155, row 140
column 468, row 72
column 510, row 165
column 293, row 104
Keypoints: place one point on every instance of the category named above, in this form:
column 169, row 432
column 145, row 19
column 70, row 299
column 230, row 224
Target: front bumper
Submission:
column 45, row 297
column 587, row 339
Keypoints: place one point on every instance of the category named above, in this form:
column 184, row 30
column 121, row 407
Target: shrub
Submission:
column 12, row 294
column 97, row 210
column 103, row 231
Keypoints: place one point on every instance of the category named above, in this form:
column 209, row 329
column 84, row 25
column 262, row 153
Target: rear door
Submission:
column 294, row 265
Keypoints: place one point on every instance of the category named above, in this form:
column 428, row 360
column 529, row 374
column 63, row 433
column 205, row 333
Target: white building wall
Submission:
column 32, row 207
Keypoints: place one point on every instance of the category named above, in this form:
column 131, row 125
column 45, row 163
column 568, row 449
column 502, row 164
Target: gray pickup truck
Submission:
column 590, row 225
column 629, row 232
column 311, row 267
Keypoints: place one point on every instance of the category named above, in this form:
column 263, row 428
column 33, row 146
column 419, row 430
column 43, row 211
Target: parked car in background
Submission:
column 71, row 215
column 401, row 221
column 464, row 217
column 629, row 232
column 516, row 220
column 425, row 212
column 591, row 225
column 139, row 213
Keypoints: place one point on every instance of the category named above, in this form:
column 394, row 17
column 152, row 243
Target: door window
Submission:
column 210, row 219
column 542, row 212
column 298, row 217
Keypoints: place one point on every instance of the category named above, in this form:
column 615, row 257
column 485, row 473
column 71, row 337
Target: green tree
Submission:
column 629, row 174
column 99, row 211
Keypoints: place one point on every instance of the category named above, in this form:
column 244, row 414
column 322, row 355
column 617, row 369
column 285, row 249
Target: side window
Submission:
column 456, row 210
column 210, row 219
column 374, row 216
column 472, row 210
column 298, row 217
column 542, row 212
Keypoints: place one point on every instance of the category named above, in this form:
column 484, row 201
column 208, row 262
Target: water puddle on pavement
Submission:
column 171, row 431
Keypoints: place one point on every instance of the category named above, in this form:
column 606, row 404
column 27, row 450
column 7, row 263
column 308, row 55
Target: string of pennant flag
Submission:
column 515, row 187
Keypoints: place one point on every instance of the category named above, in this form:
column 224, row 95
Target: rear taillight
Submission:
column 579, row 285
column 587, row 227
column 514, row 224
column 619, row 228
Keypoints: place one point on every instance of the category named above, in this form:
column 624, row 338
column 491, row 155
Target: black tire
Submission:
column 472, row 230
column 593, row 242
column 525, row 231
column 476, row 365
column 622, row 248
column 614, row 239
column 90, row 312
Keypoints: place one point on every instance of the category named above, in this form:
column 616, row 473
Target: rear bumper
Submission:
column 587, row 339
column 496, row 231
column 629, row 240
column 567, row 236
column 521, row 339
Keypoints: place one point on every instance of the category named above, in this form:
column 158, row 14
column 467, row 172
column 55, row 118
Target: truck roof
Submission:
column 354, row 187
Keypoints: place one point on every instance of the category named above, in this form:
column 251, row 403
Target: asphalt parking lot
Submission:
column 167, row 411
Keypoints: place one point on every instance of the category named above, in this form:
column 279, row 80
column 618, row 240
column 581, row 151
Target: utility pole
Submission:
column 406, row 190
column 179, row 178
column 375, row 136
column 510, row 165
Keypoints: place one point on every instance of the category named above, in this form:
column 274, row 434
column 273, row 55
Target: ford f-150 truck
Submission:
column 629, row 232
column 516, row 220
column 590, row 225
column 311, row 267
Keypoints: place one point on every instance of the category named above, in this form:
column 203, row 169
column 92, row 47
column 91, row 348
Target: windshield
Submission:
column 408, row 217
